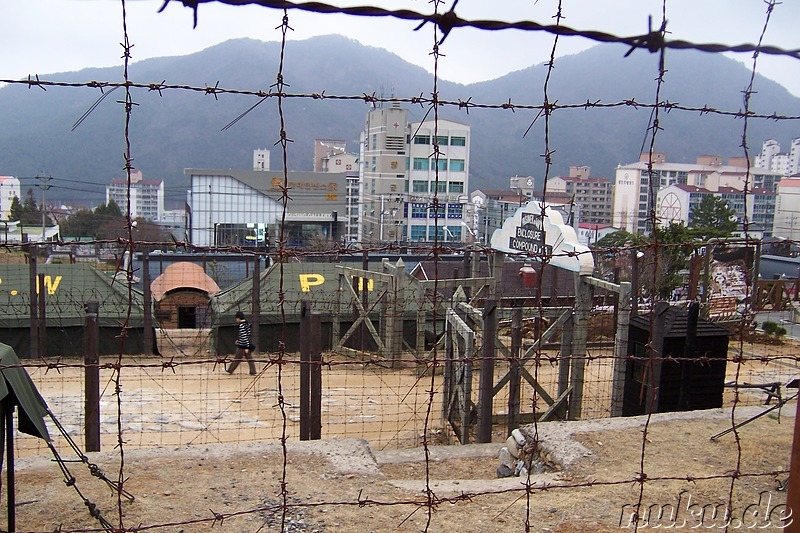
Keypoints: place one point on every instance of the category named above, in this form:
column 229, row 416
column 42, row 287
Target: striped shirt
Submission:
column 243, row 338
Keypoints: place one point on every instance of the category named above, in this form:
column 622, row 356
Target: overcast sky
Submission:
column 48, row 36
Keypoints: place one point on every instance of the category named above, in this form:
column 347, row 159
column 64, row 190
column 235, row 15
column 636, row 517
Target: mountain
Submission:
column 175, row 129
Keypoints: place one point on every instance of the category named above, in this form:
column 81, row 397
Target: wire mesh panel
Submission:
column 485, row 370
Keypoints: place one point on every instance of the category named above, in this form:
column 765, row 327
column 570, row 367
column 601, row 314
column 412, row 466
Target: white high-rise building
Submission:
column 147, row 196
column 402, row 172
column 9, row 188
column 784, row 163
column 260, row 160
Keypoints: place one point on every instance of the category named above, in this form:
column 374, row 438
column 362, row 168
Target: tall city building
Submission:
column 785, row 163
column 593, row 195
column 9, row 188
column 414, row 178
column 146, row 198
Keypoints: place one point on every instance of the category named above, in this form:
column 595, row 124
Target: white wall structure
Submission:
column 9, row 188
column 260, row 159
column 787, row 209
column 543, row 237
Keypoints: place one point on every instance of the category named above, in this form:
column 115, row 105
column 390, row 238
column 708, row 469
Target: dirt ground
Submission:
column 342, row 485
column 202, row 451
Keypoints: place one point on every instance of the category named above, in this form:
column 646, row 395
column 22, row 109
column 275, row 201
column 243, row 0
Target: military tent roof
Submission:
column 67, row 288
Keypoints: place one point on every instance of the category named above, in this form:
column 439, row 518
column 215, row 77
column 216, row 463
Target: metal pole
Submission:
column 91, row 350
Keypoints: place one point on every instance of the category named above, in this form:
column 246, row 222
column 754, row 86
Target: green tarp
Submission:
column 16, row 381
column 316, row 282
column 66, row 290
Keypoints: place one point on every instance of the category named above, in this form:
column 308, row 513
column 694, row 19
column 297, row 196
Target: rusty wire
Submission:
column 442, row 23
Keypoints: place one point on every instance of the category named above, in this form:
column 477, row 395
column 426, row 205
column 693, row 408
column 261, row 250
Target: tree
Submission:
column 16, row 209
column 712, row 218
column 668, row 253
column 618, row 240
column 105, row 222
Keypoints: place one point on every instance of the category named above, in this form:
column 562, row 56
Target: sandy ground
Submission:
column 343, row 485
column 201, row 450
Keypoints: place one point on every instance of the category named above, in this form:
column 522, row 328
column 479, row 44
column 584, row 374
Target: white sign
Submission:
column 543, row 238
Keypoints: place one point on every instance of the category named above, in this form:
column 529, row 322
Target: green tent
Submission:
column 318, row 283
column 18, row 386
column 67, row 288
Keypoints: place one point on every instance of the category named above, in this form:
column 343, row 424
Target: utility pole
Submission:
column 44, row 186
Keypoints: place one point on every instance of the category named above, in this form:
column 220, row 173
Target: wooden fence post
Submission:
column 583, row 307
column 91, row 351
column 486, row 383
column 514, row 370
column 255, row 324
column 147, row 303
column 42, row 329
column 305, row 370
column 621, row 348
column 315, row 378
column 34, row 308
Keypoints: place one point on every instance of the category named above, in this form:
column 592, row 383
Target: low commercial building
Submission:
column 244, row 208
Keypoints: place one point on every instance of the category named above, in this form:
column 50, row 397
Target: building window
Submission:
column 441, row 140
column 458, row 141
column 441, row 164
column 456, row 187
column 421, row 163
column 374, row 141
column 457, row 165
column 441, row 186
column 455, row 211
column 419, row 186
column 417, row 233
column 374, row 163
column 419, row 210
column 422, row 139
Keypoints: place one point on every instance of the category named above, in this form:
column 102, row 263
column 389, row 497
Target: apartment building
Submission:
column 637, row 185
column 594, row 196
column 146, row 196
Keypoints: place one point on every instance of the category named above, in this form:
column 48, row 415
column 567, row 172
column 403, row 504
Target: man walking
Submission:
column 244, row 345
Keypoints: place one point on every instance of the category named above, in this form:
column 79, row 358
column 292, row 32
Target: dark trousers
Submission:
column 237, row 358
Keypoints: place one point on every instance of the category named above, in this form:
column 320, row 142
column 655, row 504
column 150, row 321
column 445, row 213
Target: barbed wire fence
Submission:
column 556, row 346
